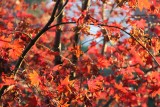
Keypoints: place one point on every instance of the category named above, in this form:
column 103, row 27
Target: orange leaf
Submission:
column 143, row 4
column 120, row 87
column 34, row 77
column 7, row 80
column 116, row 96
column 154, row 93
column 66, row 81
column 78, row 51
column 65, row 85
column 10, row 25
column 17, row 48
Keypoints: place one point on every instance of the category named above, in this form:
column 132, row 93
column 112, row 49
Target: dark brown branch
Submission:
column 58, row 24
column 33, row 41
column 74, row 57
column 103, row 45
column 106, row 38
column 103, row 18
column 108, row 102
column 56, row 45
column 2, row 90
column 85, row 5
column 61, row 7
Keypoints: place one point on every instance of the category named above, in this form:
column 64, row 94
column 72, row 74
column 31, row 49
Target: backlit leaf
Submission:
column 34, row 78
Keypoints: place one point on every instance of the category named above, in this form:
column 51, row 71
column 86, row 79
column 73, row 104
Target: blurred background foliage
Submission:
column 34, row 1
column 37, row 11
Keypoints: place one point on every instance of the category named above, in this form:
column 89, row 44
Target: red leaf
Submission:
column 32, row 102
column 141, row 23
column 139, row 72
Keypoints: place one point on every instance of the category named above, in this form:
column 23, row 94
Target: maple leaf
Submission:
column 65, row 81
column 141, row 23
column 138, row 71
column 154, row 91
column 7, row 80
column 143, row 4
column 34, row 77
column 32, row 101
column 24, row 14
column 103, row 63
column 10, row 25
column 120, row 87
column 117, row 97
column 65, row 84
column 95, row 84
column 17, row 48
column 78, row 51
column 88, row 68
column 4, row 41
column 98, row 34
column 64, row 105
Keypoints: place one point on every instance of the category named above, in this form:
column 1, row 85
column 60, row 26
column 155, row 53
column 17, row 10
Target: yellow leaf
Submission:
column 34, row 78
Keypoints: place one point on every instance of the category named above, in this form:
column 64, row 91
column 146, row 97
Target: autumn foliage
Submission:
column 46, row 60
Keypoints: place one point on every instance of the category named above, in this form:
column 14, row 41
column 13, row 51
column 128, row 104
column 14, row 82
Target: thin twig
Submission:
column 119, row 29
column 88, row 41
column 93, row 45
column 134, row 39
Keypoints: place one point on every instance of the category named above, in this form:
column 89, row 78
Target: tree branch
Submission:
column 85, row 5
column 119, row 29
column 56, row 45
column 61, row 7
column 108, row 102
column 134, row 39
column 32, row 42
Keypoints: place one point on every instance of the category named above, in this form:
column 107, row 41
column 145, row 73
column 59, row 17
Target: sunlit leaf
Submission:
column 34, row 78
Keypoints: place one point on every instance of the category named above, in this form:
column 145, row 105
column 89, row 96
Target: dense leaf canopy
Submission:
column 63, row 53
